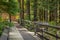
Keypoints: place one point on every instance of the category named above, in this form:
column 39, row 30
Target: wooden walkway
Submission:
column 14, row 34
column 27, row 35
column 21, row 34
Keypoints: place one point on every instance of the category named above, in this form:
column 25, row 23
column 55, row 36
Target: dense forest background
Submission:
column 41, row 10
column 35, row 10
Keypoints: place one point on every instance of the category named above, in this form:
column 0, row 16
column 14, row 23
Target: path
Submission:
column 18, row 33
column 27, row 35
column 14, row 34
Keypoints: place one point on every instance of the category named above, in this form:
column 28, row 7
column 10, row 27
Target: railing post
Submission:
column 46, row 28
column 35, row 28
column 8, row 33
column 57, row 32
column 42, row 33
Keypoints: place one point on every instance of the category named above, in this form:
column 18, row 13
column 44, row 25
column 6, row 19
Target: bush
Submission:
column 0, row 32
column 1, row 27
column 10, row 24
column 5, row 24
column 52, row 23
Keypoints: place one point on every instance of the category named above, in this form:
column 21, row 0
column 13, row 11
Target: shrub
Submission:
column 5, row 24
column 1, row 27
column 10, row 24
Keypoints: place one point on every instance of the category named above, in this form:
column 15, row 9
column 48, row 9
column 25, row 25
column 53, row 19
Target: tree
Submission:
column 49, row 6
column 12, row 8
column 21, row 6
column 28, row 8
column 35, row 10
column 9, row 6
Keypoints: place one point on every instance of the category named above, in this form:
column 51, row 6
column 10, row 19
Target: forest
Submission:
column 31, row 13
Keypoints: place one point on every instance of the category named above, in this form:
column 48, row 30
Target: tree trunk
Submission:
column 10, row 17
column 28, row 9
column 46, row 15
column 35, row 10
column 22, row 12
column 22, row 9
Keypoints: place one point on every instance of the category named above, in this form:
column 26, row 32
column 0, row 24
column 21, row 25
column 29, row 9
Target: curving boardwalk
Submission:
column 17, row 33
column 27, row 35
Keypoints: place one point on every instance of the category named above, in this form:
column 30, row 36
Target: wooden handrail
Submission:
column 44, row 31
column 44, row 24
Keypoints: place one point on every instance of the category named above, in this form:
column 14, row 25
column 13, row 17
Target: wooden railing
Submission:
column 43, row 30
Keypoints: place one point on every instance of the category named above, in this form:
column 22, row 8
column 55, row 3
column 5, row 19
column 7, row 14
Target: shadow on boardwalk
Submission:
column 27, row 35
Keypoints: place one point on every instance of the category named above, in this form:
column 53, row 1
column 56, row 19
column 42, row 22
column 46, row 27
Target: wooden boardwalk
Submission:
column 21, row 34
column 14, row 34
column 27, row 35
column 18, row 33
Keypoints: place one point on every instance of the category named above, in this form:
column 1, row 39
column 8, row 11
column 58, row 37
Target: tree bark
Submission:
column 28, row 9
column 35, row 10
column 10, row 18
column 22, row 12
column 21, row 7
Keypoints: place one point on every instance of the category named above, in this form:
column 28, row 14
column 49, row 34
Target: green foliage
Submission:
column 52, row 23
column 9, row 6
column 29, row 26
column 5, row 24
column 10, row 24
column 0, row 32
column 12, row 7
column 1, row 27
column 48, row 4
